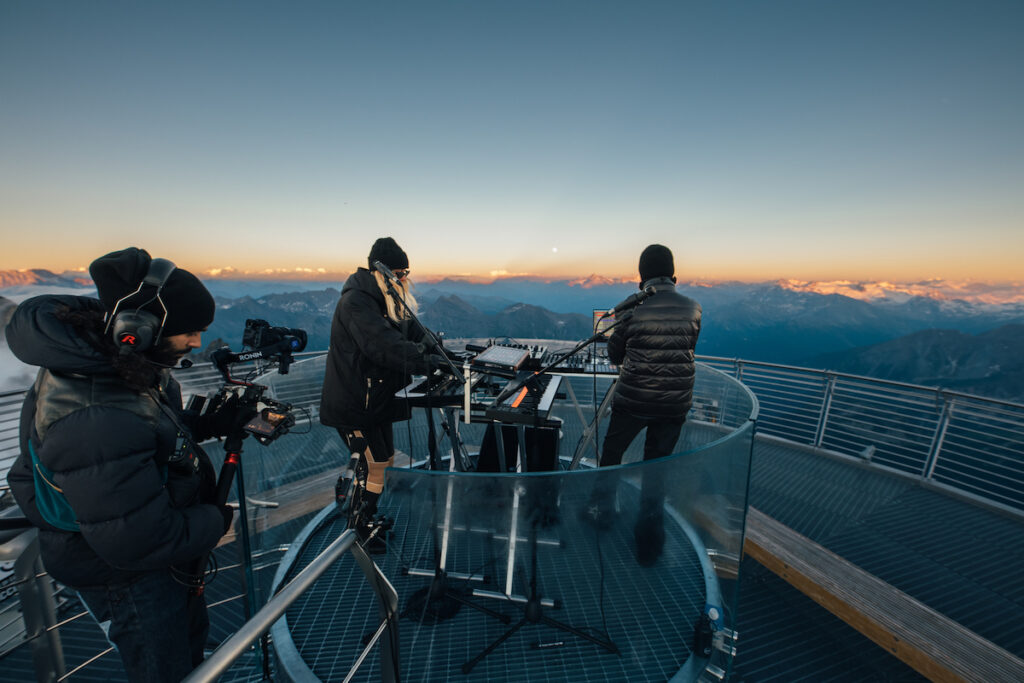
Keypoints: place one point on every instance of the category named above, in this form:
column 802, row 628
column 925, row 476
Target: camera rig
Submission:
column 260, row 341
column 240, row 408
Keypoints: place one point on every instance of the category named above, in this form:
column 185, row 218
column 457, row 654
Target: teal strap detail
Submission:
column 50, row 500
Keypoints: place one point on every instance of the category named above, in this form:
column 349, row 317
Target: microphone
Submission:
column 631, row 301
column 385, row 271
column 182, row 364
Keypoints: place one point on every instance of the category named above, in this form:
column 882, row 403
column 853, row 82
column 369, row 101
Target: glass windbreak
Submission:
column 597, row 572
column 614, row 573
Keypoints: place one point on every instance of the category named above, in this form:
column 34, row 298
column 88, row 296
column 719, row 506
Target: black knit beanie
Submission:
column 387, row 251
column 656, row 261
column 190, row 305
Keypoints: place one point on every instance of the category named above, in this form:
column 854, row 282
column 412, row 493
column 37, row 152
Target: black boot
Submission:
column 372, row 535
column 649, row 533
column 370, row 528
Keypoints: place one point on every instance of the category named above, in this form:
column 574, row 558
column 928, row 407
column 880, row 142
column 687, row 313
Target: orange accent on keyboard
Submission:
column 520, row 397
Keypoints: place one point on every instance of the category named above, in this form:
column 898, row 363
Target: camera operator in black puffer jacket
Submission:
column 654, row 349
column 108, row 472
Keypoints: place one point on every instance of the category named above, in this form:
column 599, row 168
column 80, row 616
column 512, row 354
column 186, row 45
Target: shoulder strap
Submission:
column 182, row 429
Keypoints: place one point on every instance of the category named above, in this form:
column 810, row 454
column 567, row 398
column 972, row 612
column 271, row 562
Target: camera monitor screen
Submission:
column 602, row 324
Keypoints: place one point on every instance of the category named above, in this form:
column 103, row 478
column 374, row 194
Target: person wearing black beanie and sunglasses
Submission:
column 108, row 470
column 374, row 350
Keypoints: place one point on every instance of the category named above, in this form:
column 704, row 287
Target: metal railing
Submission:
column 235, row 646
column 199, row 379
column 10, row 411
column 969, row 444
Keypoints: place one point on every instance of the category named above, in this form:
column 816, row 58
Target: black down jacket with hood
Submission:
column 369, row 359
column 118, row 459
column 654, row 351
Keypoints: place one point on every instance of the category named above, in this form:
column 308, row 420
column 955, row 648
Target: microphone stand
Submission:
column 431, row 340
column 512, row 388
column 533, row 611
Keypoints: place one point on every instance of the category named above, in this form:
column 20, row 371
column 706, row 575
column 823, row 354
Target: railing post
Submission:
column 939, row 437
column 38, row 606
column 826, row 406
column 739, row 369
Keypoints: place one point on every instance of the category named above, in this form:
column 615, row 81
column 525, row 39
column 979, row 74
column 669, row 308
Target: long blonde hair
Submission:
column 404, row 288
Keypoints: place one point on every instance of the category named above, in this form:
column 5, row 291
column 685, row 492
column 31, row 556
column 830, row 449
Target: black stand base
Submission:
column 534, row 614
column 439, row 601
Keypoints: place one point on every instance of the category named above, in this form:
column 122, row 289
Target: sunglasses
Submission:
column 401, row 273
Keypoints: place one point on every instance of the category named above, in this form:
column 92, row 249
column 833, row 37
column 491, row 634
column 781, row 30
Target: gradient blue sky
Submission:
column 812, row 140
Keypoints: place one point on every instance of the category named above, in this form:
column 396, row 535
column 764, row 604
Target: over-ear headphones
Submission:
column 136, row 330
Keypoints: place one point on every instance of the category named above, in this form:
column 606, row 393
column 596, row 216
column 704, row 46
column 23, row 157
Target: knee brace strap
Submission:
column 375, row 476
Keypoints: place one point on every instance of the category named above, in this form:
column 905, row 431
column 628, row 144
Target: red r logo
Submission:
column 128, row 339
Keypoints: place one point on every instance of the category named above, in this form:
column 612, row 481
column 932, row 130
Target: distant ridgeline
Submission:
column 954, row 344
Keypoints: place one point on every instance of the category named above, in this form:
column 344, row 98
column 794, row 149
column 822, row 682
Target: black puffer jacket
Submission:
column 654, row 351
column 115, row 455
column 369, row 359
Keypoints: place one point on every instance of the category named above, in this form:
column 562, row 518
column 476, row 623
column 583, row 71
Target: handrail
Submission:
column 859, row 378
column 897, row 425
column 963, row 444
column 236, row 645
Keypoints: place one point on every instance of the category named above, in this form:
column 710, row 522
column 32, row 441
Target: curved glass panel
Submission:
column 590, row 573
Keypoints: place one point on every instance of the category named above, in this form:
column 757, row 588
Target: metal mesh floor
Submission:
column 329, row 623
column 956, row 557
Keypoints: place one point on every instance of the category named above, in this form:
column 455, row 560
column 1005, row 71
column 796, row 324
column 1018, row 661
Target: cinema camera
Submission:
column 239, row 399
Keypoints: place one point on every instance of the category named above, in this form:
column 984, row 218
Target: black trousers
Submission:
column 660, row 441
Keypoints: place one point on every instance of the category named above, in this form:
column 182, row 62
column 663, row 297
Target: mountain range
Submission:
column 987, row 364
column 926, row 339
column 39, row 276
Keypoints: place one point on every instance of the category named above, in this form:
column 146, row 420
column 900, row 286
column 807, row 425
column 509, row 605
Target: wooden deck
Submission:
column 932, row 644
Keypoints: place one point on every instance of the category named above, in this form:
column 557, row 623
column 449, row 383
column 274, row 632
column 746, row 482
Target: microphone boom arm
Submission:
column 428, row 336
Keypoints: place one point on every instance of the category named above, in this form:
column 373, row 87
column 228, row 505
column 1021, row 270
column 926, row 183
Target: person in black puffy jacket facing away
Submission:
column 374, row 350
column 654, row 349
column 109, row 473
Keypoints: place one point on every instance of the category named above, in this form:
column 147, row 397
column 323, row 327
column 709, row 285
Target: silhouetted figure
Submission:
column 654, row 349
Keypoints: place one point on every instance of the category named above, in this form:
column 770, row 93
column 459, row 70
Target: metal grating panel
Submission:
column 328, row 623
column 954, row 556
column 785, row 636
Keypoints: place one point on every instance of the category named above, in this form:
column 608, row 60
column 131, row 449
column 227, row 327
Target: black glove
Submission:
column 428, row 363
column 229, row 515
column 222, row 418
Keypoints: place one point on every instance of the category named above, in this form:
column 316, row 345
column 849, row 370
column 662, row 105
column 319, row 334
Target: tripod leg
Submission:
column 468, row 666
